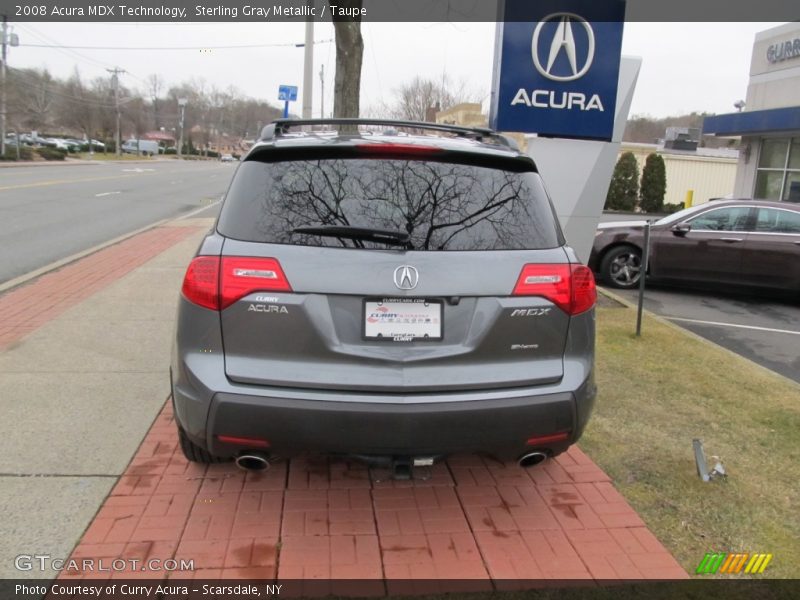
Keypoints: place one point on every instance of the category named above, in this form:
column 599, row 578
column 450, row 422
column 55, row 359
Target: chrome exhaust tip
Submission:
column 531, row 459
column 253, row 461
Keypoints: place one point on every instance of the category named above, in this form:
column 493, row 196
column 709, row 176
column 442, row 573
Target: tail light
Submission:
column 201, row 283
column 216, row 283
column 570, row 287
column 243, row 275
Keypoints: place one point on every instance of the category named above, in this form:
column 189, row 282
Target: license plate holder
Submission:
column 402, row 319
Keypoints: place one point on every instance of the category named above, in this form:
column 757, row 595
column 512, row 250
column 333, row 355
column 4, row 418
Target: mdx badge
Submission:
column 530, row 312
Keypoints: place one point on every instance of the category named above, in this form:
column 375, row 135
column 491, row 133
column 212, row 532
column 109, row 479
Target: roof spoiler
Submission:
column 280, row 127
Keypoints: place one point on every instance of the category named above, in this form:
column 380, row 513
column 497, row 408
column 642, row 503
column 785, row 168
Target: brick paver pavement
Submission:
column 474, row 519
column 31, row 305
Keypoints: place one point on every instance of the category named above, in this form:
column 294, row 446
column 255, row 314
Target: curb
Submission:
column 697, row 337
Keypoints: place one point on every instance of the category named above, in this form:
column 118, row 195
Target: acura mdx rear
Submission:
column 385, row 296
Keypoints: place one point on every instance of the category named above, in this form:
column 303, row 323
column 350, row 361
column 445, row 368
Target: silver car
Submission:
column 385, row 296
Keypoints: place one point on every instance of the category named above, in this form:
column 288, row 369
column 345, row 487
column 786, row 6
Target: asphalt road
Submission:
column 50, row 212
column 762, row 327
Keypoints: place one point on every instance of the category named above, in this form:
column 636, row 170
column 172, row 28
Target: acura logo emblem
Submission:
column 406, row 277
column 563, row 42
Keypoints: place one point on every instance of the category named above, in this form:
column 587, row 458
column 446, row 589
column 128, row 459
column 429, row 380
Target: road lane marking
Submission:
column 753, row 327
column 61, row 181
column 21, row 186
column 106, row 194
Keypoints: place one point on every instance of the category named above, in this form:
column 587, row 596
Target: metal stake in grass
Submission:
column 702, row 467
column 642, row 274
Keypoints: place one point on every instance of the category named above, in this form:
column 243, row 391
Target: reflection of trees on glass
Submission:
column 442, row 206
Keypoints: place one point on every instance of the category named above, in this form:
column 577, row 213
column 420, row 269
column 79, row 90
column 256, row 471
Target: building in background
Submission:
column 706, row 172
column 769, row 161
column 469, row 114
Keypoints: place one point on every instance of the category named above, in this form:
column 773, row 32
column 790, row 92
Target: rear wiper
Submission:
column 383, row 236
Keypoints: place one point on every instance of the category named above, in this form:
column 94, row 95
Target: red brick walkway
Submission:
column 28, row 307
column 474, row 519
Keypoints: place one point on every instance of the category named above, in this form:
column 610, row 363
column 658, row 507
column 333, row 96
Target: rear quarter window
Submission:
column 441, row 205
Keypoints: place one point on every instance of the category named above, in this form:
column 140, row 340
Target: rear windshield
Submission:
column 440, row 205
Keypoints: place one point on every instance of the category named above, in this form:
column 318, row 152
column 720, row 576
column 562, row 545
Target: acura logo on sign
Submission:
column 563, row 42
column 406, row 277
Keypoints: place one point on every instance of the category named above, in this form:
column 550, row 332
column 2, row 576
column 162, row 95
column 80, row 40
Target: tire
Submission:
column 621, row 267
column 195, row 453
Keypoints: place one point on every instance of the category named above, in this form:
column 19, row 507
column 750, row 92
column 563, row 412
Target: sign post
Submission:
column 287, row 93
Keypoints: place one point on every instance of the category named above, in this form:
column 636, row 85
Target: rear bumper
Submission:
column 498, row 426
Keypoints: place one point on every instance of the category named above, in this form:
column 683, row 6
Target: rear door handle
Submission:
column 731, row 240
column 797, row 243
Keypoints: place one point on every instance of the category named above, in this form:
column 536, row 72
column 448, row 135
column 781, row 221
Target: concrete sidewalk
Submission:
column 84, row 358
column 90, row 457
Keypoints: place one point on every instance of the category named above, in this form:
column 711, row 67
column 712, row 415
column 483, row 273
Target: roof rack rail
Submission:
column 280, row 127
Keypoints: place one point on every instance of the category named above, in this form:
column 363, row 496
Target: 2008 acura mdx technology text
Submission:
column 386, row 296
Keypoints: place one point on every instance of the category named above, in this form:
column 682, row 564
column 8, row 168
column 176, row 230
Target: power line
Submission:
column 168, row 48
column 68, row 51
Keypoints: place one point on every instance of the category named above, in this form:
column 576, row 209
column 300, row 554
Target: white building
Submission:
column 769, row 158
column 705, row 172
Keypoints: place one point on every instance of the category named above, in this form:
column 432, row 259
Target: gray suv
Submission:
column 394, row 297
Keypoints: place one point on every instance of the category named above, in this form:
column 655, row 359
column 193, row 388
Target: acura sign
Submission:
column 556, row 67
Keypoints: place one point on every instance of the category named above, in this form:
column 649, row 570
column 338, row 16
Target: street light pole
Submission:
column 3, row 59
column 182, row 103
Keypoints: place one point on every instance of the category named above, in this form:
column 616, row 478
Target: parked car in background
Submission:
column 56, row 143
column 739, row 242
column 227, row 158
column 145, row 147
column 391, row 298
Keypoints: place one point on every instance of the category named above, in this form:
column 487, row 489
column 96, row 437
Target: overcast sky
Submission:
column 686, row 66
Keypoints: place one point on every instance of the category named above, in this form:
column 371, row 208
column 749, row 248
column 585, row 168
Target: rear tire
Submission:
column 195, row 453
column 621, row 267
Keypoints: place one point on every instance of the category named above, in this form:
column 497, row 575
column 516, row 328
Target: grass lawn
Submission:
column 659, row 392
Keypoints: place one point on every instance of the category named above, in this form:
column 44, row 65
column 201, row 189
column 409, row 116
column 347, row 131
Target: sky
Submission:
column 686, row 67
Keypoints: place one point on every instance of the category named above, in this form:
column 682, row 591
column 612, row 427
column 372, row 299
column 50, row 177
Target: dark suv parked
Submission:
column 394, row 297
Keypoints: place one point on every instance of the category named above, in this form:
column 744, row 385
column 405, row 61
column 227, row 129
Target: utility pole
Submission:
column 115, row 73
column 182, row 103
column 6, row 39
column 308, row 65
column 322, row 91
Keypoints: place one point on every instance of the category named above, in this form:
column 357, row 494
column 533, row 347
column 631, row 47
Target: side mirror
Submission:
column 681, row 228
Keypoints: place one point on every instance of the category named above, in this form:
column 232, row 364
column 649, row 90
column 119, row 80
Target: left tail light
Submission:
column 216, row 283
column 201, row 282
column 571, row 287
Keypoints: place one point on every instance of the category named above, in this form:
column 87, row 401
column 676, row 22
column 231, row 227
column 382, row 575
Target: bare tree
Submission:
column 417, row 97
column 37, row 100
column 79, row 107
column 154, row 86
column 349, row 55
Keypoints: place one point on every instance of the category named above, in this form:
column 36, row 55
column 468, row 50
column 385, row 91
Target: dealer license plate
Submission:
column 403, row 319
